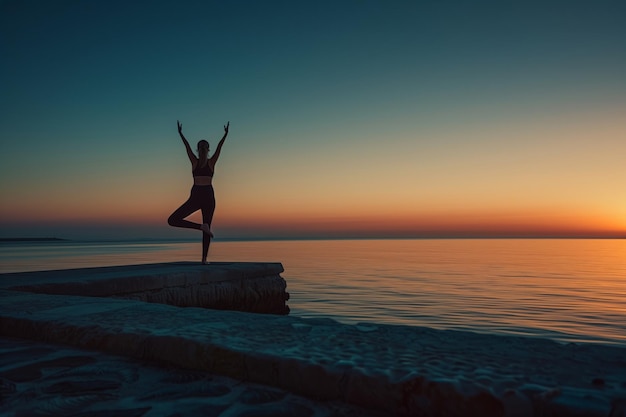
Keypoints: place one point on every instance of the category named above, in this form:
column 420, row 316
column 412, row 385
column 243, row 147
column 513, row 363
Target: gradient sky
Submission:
column 348, row 118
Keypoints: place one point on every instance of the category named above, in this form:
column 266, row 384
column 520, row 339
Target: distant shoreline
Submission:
column 303, row 238
column 32, row 239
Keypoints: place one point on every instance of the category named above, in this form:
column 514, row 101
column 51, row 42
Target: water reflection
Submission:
column 568, row 290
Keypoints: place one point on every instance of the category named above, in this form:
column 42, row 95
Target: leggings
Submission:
column 202, row 198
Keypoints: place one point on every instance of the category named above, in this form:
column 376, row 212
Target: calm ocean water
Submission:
column 566, row 290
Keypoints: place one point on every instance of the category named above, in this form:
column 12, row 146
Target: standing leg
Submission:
column 206, row 241
column 208, row 208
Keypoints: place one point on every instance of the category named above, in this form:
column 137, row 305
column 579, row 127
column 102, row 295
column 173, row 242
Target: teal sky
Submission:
column 455, row 108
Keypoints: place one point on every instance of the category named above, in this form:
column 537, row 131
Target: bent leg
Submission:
column 177, row 219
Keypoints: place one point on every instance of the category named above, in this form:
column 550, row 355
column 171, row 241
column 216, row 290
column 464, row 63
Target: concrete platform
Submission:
column 392, row 370
column 243, row 286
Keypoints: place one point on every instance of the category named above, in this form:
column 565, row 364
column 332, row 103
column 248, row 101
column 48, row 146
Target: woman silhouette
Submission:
column 202, row 196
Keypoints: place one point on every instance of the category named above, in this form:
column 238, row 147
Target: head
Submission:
column 203, row 149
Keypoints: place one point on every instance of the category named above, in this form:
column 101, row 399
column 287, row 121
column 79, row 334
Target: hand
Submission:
column 226, row 126
column 180, row 127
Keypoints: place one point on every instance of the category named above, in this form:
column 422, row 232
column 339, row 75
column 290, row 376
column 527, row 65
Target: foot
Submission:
column 205, row 262
column 206, row 229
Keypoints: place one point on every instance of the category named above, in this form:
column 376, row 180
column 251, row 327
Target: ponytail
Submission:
column 203, row 153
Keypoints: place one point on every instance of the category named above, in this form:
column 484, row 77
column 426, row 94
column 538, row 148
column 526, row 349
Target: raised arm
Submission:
column 190, row 154
column 216, row 155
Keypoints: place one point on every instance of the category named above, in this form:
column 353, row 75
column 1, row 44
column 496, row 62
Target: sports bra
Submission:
column 204, row 171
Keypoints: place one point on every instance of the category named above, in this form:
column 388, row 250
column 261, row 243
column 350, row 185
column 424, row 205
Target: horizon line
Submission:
column 299, row 238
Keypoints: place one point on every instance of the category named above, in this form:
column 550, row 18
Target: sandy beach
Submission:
column 39, row 379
